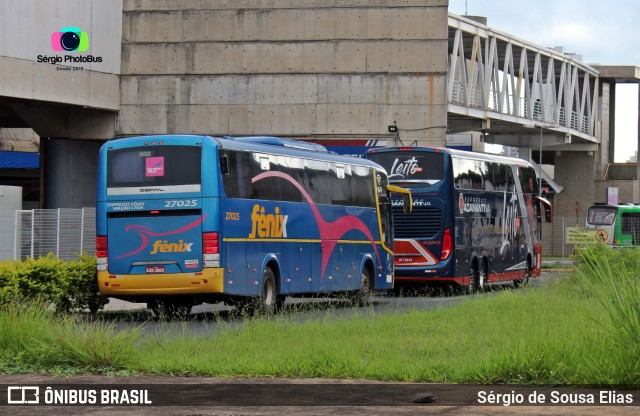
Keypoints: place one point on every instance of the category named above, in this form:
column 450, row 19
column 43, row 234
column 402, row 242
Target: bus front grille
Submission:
column 422, row 222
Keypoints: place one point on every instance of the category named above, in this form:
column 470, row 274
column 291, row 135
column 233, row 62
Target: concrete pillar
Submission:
column 69, row 172
column 610, row 115
column 636, row 186
column 575, row 172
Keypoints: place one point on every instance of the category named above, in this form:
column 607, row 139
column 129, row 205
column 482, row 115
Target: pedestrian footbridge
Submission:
column 504, row 86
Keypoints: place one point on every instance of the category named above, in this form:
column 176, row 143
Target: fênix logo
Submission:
column 266, row 225
column 70, row 39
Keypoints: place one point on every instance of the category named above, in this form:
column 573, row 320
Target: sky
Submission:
column 605, row 32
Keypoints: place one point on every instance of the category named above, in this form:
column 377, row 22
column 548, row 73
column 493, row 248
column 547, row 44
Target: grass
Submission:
column 34, row 338
column 564, row 333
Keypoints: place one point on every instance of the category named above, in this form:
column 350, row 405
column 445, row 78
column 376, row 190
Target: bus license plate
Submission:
column 155, row 269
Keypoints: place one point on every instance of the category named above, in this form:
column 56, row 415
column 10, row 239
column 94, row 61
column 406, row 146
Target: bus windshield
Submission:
column 411, row 168
column 601, row 215
column 153, row 166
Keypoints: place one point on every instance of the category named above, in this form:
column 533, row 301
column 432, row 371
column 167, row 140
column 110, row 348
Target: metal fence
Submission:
column 65, row 232
column 69, row 232
column 553, row 237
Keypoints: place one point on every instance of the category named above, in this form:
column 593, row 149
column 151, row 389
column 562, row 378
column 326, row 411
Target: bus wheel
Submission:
column 170, row 310
column 363, row 296
column 479, row 277
column 269, row 302
column 525, row 280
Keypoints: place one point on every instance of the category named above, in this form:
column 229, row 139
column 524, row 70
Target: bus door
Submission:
column 629, row 227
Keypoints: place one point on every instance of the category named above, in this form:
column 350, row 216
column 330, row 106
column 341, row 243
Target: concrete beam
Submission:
column 166, row 5
column 529, row 140
column 618, row 73
column 68, row 121
column 30, row 80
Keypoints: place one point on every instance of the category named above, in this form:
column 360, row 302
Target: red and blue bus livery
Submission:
column 475, row 219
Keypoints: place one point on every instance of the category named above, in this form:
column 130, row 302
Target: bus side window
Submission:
column 224, row 165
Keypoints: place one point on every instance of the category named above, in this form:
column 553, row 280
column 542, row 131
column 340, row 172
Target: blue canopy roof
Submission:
column 19, row 160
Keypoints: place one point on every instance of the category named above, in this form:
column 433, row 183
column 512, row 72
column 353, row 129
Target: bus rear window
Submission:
column 411, row 168
column 601, row 215
column 153, row 166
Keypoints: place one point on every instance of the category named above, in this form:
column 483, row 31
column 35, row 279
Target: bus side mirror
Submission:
column 407, row 200
column 546, row 205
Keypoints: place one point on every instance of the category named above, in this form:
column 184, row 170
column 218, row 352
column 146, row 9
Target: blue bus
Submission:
column 183, row 220
column 476, row 217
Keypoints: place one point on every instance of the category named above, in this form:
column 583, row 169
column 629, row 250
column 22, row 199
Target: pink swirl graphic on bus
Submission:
column 330, row 232
column 145, row 232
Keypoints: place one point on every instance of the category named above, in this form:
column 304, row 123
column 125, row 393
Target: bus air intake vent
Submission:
column 422, row 222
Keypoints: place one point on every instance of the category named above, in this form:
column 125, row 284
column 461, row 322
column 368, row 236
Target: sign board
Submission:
column 612, row 195
column 581, row 235
column 459, row 141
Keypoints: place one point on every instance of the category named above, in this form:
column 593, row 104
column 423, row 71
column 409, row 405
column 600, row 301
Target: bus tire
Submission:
column 525, row 280
column 269, row 302
column 479, row 276
column 363, row 296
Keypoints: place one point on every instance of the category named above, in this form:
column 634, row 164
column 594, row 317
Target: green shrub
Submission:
column 68, row 286
column 83, row 285
column 8, row 284
column 43, row 278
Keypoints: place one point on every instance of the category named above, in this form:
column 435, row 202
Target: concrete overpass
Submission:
column 313, row 69
column 69, row 104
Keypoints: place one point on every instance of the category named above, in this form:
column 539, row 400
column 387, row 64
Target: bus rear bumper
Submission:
column 442, row 274
column 209, row 281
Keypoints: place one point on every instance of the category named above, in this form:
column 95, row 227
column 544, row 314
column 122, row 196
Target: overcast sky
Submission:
column 603, row 32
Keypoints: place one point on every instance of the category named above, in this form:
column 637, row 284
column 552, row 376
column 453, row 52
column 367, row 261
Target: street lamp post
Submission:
column 540, row 165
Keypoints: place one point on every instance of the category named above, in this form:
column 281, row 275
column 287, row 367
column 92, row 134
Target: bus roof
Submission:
column 457, row 153
column 278, row 141
column 267, row 144
column 631, row 206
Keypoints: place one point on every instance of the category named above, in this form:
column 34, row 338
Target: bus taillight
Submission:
column 101, row 246
column 447, row 244
column 102, row 252
column 211, row 249
column 210, row 243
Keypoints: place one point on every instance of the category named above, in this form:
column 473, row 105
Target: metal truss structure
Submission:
column 510, row 84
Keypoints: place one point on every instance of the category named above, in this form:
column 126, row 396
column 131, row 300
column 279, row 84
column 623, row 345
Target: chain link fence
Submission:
column 553, row 237
column 65, row 232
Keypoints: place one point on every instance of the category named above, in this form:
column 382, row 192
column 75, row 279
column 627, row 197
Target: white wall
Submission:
column 26, row 27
